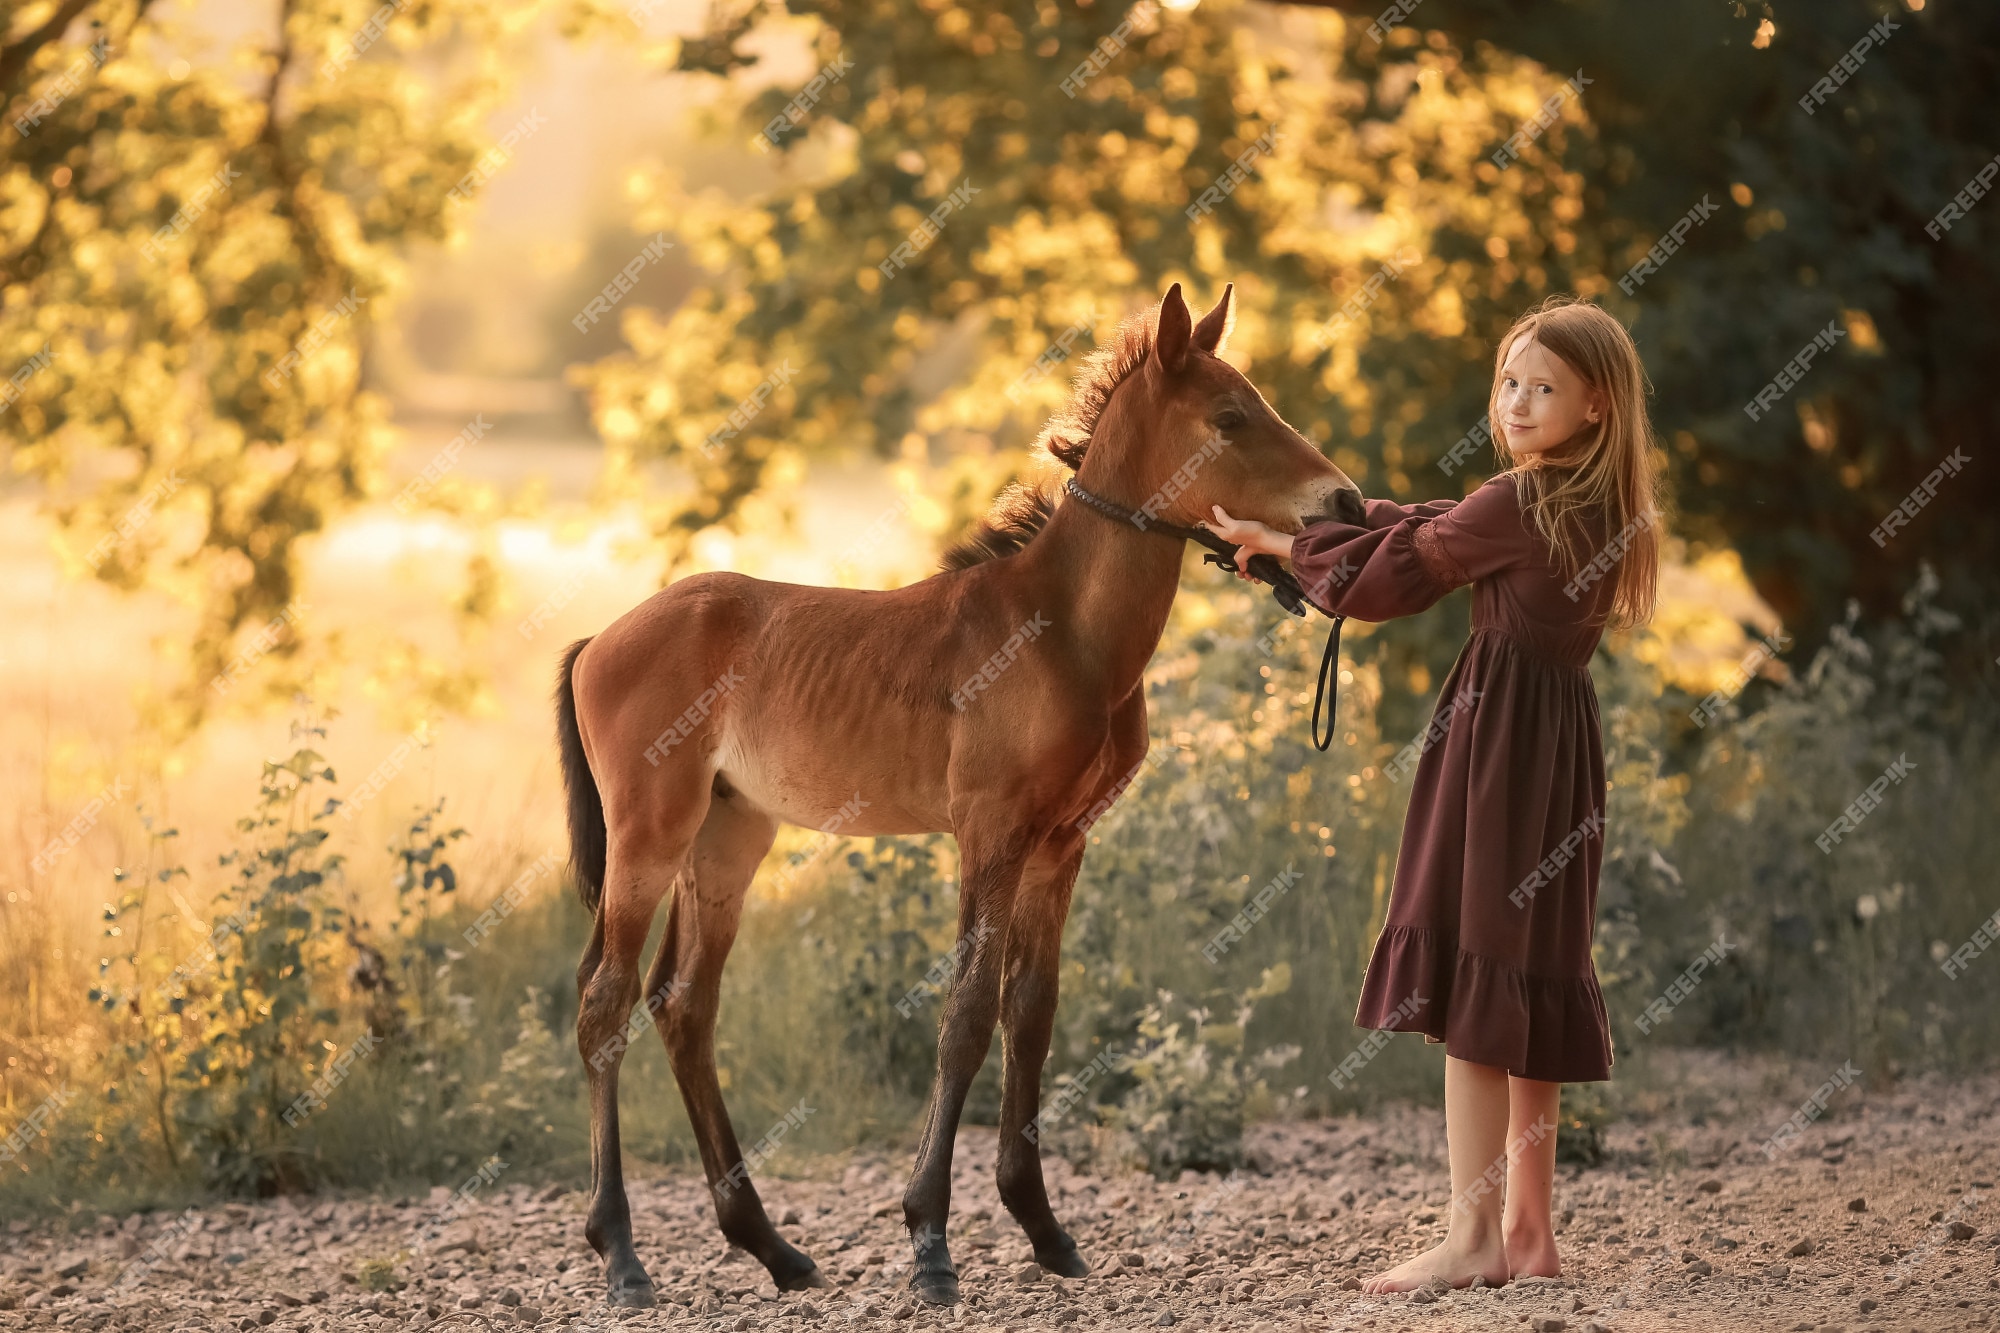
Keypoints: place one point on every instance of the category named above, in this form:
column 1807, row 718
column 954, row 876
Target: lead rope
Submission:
column 1329, row 663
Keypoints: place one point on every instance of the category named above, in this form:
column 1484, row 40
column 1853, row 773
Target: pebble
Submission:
column 1857, row 1205
column 1800, row 1248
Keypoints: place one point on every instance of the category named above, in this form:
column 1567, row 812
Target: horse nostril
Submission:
column 1347, row 506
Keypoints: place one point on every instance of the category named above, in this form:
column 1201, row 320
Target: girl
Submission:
column 1486, row 946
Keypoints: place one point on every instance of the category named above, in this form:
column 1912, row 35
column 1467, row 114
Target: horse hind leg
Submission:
column 701, row 926
column 643, row 859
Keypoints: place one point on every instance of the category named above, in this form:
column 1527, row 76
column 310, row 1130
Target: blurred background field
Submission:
column 370, row 594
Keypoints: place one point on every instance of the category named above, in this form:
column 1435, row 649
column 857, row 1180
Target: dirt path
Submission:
column 1687, row 1226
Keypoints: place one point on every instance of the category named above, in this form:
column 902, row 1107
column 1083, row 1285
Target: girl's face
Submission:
column 1543, row 402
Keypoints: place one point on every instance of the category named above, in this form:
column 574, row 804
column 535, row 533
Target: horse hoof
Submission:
column 1063, row 1260
column 631, row 1291
column 805, row 1281
column 935, row 1286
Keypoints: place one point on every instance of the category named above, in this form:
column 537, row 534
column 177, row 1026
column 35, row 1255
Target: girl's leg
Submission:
column 1529, row 1236
column 1475, row 1128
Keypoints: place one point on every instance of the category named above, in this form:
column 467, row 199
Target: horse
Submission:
column 1000, row 700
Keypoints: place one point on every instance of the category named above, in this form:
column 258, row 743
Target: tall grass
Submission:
column 180, row 1081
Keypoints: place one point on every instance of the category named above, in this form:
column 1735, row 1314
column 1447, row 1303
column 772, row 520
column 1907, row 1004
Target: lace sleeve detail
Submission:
column 1436, row 560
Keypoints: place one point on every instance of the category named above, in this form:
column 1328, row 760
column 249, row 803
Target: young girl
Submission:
column 1487, row 943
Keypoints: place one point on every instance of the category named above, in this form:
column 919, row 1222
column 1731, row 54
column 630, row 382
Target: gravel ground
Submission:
column 1878, row 1216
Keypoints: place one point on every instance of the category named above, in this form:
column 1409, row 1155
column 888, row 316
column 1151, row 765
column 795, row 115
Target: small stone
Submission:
column 1551, row 1325
column 1701, row 1268
column 550, row 1195
column 1594, row 1327
column 1800, row 1248
column 1351, row 1284
column 315, row 1297
column 286, row 1299
column 1857, row 1205
column 789, row 1217
column 1868, row 1304
column 1710, row 1186
column 1133, row 1259
column 508, row 1296
column 1962, row 1230
column 1028, row 1275
column 472, row 1302
column 1166, row 1319
column 1778, row 1272
column 73, row 1267
column 529, row 1314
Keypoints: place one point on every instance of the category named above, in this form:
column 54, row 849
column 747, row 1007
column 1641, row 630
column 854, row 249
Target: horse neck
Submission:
column 1111, row 585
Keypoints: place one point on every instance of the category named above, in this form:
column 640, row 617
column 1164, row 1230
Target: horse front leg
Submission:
column 1028, row 1014
column 985, row 900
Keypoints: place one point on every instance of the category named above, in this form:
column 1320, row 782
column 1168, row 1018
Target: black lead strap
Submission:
column 1263, row 568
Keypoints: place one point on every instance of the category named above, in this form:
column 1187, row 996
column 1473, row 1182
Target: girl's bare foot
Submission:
column 1532, row 1254
column 1453, row 1261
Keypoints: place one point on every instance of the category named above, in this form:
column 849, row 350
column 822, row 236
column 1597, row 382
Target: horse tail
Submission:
column 587, row 838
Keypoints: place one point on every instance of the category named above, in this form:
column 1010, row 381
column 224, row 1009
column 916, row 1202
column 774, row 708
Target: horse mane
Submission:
column 1021, row 510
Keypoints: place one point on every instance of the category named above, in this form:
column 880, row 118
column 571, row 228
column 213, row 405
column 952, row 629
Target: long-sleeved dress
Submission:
column 1486, row 946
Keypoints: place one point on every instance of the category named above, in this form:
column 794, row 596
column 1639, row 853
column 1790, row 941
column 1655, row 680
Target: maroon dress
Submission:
column 1487, row 942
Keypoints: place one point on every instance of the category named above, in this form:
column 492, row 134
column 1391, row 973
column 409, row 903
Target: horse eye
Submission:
column 1228, row 419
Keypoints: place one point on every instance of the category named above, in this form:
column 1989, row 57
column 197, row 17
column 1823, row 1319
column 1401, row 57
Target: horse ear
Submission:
column 1176, row 328
column 1213, row 331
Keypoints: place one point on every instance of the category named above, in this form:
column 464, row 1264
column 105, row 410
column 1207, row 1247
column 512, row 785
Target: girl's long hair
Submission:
column 1610, row 469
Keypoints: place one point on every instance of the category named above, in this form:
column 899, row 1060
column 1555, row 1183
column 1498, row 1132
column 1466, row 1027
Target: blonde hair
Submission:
column 1610, row 470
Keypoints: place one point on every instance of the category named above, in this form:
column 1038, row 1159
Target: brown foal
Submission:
column 999, row 700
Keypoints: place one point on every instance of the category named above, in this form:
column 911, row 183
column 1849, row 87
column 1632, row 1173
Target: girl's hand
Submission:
column 1250, row 534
